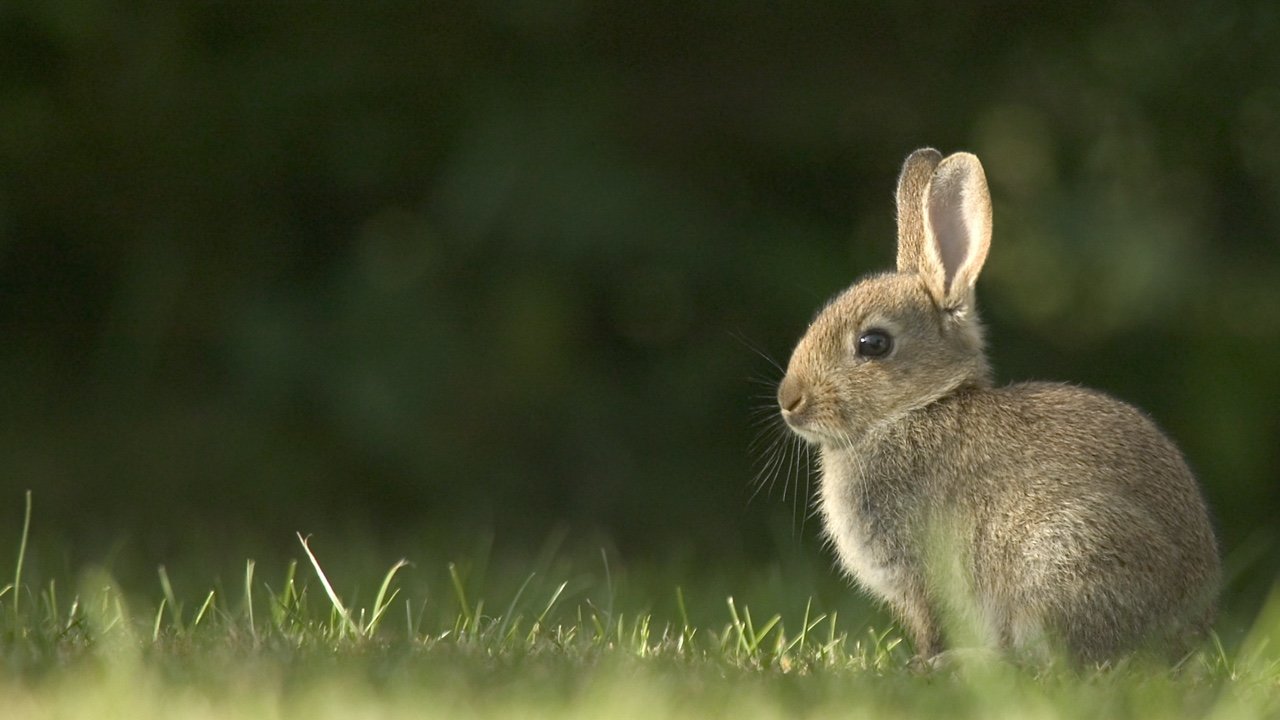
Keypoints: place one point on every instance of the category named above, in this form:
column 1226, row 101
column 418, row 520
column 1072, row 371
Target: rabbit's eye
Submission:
column 874, row 344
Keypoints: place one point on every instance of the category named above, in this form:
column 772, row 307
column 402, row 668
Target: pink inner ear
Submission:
column 950, row 233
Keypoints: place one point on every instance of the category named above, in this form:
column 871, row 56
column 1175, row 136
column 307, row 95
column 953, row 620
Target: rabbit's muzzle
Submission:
column 791, row 397
column 796, row 406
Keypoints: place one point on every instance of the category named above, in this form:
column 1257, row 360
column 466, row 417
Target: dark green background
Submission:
column 409, row 274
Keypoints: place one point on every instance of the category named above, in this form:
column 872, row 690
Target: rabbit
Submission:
column 1044, row 519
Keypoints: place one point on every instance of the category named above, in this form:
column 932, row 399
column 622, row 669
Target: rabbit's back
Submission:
column 1109, row 531
column 1086, row 523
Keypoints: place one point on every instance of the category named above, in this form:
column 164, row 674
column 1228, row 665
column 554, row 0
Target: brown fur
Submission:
column 1034, row 516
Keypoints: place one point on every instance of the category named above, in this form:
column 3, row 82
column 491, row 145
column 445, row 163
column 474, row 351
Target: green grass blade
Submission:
column 174, row 610
column 538, row 624
column 248, row 598
column 739, row 628
column 155, row 627
column 383, row 601
column 22, row 555
column 51, row 603
column 347, row 623
column 509, row 616
column 208, row 602
column 468, row 621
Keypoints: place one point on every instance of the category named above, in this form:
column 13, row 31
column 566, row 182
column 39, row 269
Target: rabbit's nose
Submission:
column 790, row 395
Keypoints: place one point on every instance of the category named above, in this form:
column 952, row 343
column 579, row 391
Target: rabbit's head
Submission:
column 898, row 341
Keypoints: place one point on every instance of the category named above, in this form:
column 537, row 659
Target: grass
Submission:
column 557, row 643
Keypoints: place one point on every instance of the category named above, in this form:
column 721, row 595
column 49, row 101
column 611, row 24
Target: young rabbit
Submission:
column 1037, row 517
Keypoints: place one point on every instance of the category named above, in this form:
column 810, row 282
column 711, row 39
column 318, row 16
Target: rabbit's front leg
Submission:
column 921, row 624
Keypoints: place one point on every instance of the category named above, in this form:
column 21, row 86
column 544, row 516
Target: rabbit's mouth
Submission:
column 811, row 436
column 817, row 436
column 807, row 429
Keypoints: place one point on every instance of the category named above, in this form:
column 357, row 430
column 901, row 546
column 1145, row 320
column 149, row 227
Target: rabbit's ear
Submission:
column 957, row 229
column 913, row 182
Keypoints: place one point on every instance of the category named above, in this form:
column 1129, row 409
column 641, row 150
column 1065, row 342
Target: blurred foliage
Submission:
column 407, row 270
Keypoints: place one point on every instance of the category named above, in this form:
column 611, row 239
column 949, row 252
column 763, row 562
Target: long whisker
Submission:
column 768, row 430
column 750, row 346
column 791, row 471
column 808, row 486
column 782, row 450
column 772, row 461
column 768, row 475
column 800, row 449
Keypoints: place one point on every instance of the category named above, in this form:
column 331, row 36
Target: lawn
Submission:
column 481, row 639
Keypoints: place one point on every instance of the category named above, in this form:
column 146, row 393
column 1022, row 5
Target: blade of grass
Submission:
column 155, row 627
column 640, row 636
column 468, row 620
column 290, row 601
column 208, row 601
column 509, row 616
column 738, row 627
column 248, row 598
column 72, row 614
column 382, row 601
column 51, row 603
column 601, row 635
column 800, row 642
column 175, row 612
column 537, row 624
column 608, row 586
column 338, row 607
column 22, row 554
column 758, row 637
column 687, row 631
column 750, row 638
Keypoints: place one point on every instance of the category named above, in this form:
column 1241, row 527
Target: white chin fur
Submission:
column 813, row 437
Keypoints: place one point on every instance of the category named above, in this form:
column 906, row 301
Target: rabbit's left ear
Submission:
column 913, row 184
column 957, row 229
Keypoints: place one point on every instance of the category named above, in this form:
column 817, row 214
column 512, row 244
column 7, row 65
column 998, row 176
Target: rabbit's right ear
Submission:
column 944, row 224
column 957, row 228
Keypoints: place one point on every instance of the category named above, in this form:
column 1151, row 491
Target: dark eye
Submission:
column 874, row 344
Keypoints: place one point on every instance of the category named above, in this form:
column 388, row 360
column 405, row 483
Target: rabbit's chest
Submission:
column 865, row 537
